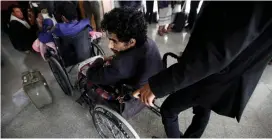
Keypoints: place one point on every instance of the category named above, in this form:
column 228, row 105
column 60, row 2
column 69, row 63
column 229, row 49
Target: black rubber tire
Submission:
column 114, row 118
column 61, row 76
column 96, row 50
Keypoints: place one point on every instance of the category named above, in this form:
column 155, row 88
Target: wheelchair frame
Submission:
column 98, row 109
column 56, row 64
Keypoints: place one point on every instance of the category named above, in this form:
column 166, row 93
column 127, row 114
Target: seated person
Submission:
column 21, row 33
column 71, row 25
column 136, row 57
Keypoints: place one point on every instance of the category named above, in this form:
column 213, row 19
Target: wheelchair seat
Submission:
column 74, row 49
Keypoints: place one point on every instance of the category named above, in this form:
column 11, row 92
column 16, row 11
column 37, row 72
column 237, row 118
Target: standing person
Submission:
column 219, row 69
column 92, row 8
column 149, row 11
column 165, row 15
column 192, row 14
column 21, row 33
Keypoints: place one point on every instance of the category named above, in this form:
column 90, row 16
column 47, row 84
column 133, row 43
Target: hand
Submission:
column 31, row 18
column 145, row 94
column 108, row 58
column 39, row 20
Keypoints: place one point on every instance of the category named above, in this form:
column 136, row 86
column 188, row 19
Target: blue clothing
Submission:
column 45, row 36
column 62, row 29
column 72, row 28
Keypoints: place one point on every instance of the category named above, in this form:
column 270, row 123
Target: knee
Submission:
column 166, row 111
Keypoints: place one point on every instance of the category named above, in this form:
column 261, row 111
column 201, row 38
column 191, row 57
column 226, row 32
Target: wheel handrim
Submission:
column 104, row 125
column 59, row 77
column 120, row 123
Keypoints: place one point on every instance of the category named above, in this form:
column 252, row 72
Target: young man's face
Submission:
column 18, row 13
column 116, row 46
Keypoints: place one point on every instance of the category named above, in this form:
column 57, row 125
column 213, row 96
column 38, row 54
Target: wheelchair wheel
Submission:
column 96, row 50
column 60, row 75
column 110, row 124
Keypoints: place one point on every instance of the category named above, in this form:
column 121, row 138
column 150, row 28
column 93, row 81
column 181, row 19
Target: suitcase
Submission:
column 36, row 88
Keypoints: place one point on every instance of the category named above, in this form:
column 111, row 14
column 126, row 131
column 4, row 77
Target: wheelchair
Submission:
column 70, row 50
column 106, row 112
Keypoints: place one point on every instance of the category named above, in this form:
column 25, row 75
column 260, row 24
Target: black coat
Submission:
column 229, row 48
column 132, row 67
column 20, row 36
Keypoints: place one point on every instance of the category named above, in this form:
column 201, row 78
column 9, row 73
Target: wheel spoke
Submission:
column 115, row 126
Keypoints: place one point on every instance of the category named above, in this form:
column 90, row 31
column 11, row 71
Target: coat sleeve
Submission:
column 220, row 34
column 21, row 37
column 118, row 70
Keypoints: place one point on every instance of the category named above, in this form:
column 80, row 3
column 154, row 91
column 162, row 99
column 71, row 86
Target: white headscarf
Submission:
column 12, row 17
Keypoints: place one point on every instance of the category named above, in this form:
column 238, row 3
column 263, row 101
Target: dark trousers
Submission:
column 192, row 14
column 149, row 11
column 170, row 110
column 92, row 8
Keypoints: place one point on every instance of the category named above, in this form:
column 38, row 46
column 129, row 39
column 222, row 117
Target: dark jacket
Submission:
column 20, row 36
column 224, row 59
column 132, row 67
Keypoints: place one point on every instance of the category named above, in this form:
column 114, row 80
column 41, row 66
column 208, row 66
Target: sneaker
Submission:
column 160, row 32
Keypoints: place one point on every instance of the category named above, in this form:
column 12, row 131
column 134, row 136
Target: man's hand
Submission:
column 31, row 17
column 108, row 58
column 145, row 94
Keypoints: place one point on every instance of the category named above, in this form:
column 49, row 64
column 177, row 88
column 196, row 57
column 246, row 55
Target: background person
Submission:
column 92, row 8
column 21, row 33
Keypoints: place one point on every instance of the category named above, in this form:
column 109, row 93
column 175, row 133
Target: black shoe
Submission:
column 154, row 137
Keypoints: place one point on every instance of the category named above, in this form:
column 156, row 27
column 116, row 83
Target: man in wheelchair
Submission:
column 135, row 59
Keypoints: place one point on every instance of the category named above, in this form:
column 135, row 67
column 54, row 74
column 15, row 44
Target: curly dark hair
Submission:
column 126, row 23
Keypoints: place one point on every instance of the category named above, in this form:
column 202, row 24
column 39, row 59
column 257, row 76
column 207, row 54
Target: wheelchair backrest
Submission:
column 74, row 49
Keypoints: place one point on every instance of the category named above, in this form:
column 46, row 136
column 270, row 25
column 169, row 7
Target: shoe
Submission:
column 164, row 30
column 169, row 28
column 160, row 32
column 154, row 137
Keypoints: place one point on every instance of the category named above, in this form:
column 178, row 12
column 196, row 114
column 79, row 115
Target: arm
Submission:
column 118, row 70
column 220, row 35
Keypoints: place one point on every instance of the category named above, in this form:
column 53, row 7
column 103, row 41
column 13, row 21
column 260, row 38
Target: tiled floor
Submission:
column 65, row 118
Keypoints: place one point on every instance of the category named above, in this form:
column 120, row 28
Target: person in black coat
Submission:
column 224, row 59
column 21, row 33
